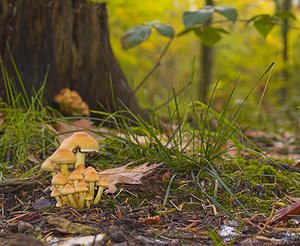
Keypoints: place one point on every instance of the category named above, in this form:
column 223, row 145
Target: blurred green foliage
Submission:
column 244, row 52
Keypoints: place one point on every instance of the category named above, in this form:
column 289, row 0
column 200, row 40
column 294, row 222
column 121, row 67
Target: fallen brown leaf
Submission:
column 126, row 175
column 166, row 176
column 150, row 220
column 284, row 213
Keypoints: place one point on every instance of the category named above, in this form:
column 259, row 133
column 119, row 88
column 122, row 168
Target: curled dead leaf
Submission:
column 126, row 175
column 284, row 213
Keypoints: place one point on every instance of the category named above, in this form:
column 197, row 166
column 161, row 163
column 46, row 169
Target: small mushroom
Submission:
column 81, row 189
column 55, row 193
column 81, row 168
column 48, row 166
column 63, row 157
column 84, row 142
column 60, row 180
column 102, row 183
column 91, row 177
column 75, row 176
column 88, row 199
column 68, row 190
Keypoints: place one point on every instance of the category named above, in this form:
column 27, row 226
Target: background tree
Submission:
column 70, row 40
column 206, row 64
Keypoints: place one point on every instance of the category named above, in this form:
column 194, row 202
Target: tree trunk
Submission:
column 286, row 6
column 206, row 63
column 70, row 40
column 282, row 6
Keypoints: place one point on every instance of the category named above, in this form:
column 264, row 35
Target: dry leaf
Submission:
column 284, row 213
column 166, row 176
column 126, row 175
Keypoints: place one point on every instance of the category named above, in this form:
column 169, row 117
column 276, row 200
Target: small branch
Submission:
column 157, row 64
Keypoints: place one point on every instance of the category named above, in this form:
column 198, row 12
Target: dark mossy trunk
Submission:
column 70, row 40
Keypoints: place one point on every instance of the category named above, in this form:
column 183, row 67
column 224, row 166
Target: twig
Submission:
column 157, row 64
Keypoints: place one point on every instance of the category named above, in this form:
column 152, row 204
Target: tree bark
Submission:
column 206, row 63
column 70, row 40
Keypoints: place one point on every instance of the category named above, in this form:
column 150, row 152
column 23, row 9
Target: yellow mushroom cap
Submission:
column 48, row 165
column 83, row 140
column 102, row 182
column 89, row 170
column 82, row 186
column 62, row 156
column 68, row 189
column 59, row 179
column 91, row 177
column 88, row 197
column 80, row 168
column 55, row 193
column 75, row 175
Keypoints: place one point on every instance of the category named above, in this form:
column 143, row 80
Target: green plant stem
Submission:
column 157, row 64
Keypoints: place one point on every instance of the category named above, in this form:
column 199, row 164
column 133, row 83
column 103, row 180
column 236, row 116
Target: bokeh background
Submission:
column 243, row 52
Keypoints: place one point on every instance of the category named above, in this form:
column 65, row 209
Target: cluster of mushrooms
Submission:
column 73, row 184
column 71, row 103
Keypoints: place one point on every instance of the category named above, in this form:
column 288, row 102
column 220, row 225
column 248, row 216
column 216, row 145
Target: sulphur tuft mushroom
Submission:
column 81, row 168
column 71, row 103
column 101, row 183
column 88, row 199
column 68, row 191
column 81, row 189
column 60, row 180
column 82, row 143
column 75, row 176
column 55, row 193
column 91, row 177
column 63, row 157
column 48, row 166
column 72, row 183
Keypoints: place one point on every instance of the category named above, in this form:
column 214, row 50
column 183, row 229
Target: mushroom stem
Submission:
column 72, row 201
column 81, row 199
column 92, row 188
column 59, row 203
column 80, row 158
column 88, row 204
column 64, row 169
column 99, row 194
column 65, row 199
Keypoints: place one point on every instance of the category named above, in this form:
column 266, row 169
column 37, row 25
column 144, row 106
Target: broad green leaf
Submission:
column 151, row 23
column 191, row 18
column 264, row 24
column 135, row 36
column 285, row 15
column 165, row 30
column 209, row 35
column 229, row 12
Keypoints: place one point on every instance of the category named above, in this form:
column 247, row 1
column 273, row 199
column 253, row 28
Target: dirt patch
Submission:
column 134, row 216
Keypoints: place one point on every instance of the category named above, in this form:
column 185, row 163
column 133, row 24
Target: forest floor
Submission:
column 135, row 216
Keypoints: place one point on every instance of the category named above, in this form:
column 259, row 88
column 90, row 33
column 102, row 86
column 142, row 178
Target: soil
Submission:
column 29, row 217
